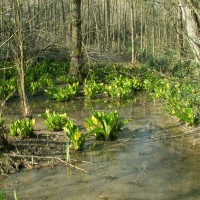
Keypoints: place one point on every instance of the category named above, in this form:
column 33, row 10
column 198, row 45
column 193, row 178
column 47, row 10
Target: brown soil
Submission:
column 45, row 148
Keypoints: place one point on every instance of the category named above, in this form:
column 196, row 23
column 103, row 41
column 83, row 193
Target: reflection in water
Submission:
column 145, row 163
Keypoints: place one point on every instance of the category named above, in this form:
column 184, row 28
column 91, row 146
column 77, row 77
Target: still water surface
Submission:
column 151, row 160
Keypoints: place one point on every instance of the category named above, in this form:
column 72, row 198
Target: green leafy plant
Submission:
column 91, row 87
column 105, row 126
column 63, row 93
column 182, row 105
column 54, row 121
column 46, row 80
column 77, row 139
column 2, row 195
column 181, row 98
column 16, row 195
column 22, row 128
column 35, row 87
column 62, row 79
column 67, row 149
column 7, row 87
column 117, row 89
column 122, row 87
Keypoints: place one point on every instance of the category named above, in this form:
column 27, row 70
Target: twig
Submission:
column 5, row 68
column 4, row 101
column 7, row 176
column 46, row 157
column 77, row 168
column 139, row 174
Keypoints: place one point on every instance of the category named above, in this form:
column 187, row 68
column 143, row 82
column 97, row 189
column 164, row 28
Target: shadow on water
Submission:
column 151, row 159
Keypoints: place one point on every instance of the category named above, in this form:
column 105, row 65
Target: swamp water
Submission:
column 152, row 159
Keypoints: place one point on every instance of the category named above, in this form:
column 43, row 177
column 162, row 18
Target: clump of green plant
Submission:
column 3, row 195
column 77, row 139
column 117, row 89
column 35, row 87
column 181, row 98
column 63, row 93
column 182, row 101
column 122, row 87
column 22, row 128
column 7, row 87
column 91, row 88
column 61, row 79
column 39, row 84
column 54, row 121
column 105, row 126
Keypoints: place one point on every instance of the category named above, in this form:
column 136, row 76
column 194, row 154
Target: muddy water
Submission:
column 152, row 160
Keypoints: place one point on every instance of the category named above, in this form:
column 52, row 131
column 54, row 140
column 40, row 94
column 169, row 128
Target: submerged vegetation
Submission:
column 3, row 195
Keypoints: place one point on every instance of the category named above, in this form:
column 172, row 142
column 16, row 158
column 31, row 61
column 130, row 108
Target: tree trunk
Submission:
column 153, row 27
column 76, row 49
column 193, row 31
column 108, row 24
column 132, row 33
column 180, row 33
column 19, row 59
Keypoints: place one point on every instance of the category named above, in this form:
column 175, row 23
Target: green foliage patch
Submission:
column 77, row 139
column 91, row 88
column 54, row 121
column 181, row 97
column 122, row 87
column 105, row 126
column 7, row 87
column 65, row 93
column 22, row 128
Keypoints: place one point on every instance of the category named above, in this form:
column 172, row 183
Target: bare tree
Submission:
column 19, row 56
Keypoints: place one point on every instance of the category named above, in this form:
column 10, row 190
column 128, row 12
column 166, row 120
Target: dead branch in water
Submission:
column 45, row 157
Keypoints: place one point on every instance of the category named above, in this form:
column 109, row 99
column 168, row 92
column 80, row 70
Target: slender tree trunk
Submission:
column 119, row 30
column 64, row 21
column 99, row 27
column 76, row 49
column 141, row 28
column 153, row 27
column 108, row 39
column 125, row 25
column 19, row 59
column 132, row 33
column 180, row 33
